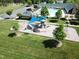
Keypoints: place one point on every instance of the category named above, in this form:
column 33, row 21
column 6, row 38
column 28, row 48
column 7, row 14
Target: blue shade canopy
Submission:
column 39, row 19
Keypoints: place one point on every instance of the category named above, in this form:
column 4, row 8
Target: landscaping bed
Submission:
column 74, row 22
column 24, row 18
column 53, row 20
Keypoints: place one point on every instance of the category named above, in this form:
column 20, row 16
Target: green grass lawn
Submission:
column 30, row 46
column 3, row 9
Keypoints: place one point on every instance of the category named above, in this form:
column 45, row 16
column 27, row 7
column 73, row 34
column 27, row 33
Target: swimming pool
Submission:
column 52, row 12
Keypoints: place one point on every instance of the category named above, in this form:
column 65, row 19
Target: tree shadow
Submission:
column 11, row 34
column 50, row 43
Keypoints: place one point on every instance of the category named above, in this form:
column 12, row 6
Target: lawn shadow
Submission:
column 50, row 43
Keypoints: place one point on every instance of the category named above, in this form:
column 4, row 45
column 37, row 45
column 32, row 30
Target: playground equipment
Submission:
column 36, row 22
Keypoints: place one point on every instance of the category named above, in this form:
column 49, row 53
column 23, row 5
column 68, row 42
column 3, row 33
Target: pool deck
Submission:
column 71, row 32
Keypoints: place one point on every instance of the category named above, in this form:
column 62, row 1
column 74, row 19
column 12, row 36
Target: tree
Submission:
column 71, row 1
column 59, row 14
column 29, row 2
column 9, row 1
column 59, row 33
column 23, row 1
column 5, row 2
column 19, row 15
column 50, row 1
column 39, row 1
column 44, row 11
column 36, row 1
column 9, row 12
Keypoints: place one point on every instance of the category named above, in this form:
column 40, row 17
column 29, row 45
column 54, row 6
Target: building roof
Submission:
column 66, row 6
column 27, row 13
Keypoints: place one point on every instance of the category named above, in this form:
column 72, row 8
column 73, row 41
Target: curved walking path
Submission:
column 71, row 32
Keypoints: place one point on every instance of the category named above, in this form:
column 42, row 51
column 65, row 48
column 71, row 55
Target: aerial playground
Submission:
column 36, row 23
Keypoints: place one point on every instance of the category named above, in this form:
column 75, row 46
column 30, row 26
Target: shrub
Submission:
column 19, row 15
column 23, row 17
column 74, row 22
column 53, row 20
column 77, row 14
